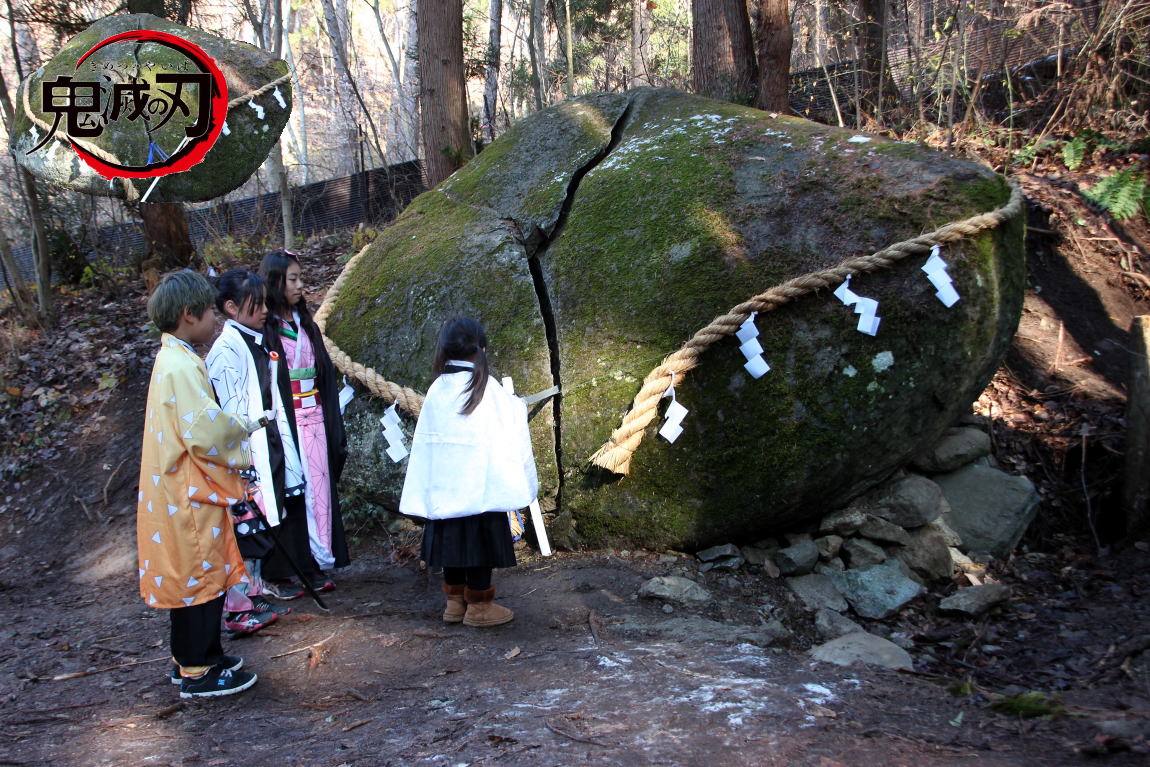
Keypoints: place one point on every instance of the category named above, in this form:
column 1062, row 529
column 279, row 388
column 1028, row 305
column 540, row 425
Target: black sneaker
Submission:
column 228, row 662
column 285, row 591
column 217, row 682
column 265, row 605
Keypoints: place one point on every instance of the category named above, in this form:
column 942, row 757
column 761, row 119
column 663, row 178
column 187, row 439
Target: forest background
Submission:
column 383, row 82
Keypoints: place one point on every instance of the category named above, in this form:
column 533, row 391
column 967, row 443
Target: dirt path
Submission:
column 586, row 673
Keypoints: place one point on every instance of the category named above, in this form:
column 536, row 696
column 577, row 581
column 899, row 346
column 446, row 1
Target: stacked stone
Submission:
column 951, row 511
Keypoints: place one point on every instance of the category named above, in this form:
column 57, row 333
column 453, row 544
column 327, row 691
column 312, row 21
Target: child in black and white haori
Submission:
column 240, row 368
column 471, row 463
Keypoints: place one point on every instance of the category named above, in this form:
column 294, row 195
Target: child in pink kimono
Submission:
column 312, row 526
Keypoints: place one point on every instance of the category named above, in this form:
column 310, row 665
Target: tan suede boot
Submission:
column 456, row 607
column 481, row 611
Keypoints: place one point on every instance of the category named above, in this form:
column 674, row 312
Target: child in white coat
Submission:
column 240, row 370
column 471, row 462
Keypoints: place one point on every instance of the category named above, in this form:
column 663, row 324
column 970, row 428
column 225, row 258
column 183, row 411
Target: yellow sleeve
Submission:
column 215, row 441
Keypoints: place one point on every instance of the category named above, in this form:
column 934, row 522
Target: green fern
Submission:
column 1121, row 195
column 1073, row 152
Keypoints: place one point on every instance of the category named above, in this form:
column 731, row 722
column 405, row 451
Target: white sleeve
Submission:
column 228, row 381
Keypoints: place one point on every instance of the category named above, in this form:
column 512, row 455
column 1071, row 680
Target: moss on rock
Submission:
column 699, row 206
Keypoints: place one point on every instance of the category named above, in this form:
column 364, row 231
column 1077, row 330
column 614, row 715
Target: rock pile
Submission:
column 892, row 544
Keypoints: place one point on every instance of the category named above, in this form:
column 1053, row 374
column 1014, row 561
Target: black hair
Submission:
column 245, row 288
column 273, row 270
column 461, row 338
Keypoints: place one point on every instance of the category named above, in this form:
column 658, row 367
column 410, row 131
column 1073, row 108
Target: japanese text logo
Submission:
column 193, row 93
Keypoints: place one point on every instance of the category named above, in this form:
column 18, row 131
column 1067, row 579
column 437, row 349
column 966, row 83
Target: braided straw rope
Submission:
column 130, row 191
column 410, row 401
column 615, row 454
column 259, row 91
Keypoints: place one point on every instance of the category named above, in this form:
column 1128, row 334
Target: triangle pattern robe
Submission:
column 189, row 475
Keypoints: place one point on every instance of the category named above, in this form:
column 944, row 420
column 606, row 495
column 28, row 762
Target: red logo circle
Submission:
column 194, row 148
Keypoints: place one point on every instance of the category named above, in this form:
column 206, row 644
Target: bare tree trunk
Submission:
column 774, row 43
column 43, row 258
column 269, row 28
column 399, row 116
column 166, row 230
column 442, row 97
column 876, row 85
column 721, row 50
column 491, row 84
column 298, row 106
column 570, row 52
column 410, row 69
column 536, row 49
column 640, row 36
column 15, row 282
column 276, row 157
column 337, row 41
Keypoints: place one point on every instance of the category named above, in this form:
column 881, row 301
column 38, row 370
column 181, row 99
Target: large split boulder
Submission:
column 596, row 236
column 234, row 157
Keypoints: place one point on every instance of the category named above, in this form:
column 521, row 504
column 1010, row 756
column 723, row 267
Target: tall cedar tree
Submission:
column 875, row 79
column 722, row 51
column 442, row 93
column 774, row 40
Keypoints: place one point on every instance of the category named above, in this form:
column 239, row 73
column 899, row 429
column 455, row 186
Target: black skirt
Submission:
column 479, row 540
column 292, row 535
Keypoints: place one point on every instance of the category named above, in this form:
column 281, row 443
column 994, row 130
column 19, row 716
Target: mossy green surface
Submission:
column 441, row 258
column 227, row 165
column 524, row 175
column 703, row 205
column 699, row 206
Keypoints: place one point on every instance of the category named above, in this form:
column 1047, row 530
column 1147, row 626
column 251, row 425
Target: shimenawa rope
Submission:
column 615, row 454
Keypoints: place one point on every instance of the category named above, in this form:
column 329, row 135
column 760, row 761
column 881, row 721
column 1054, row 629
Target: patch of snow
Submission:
column 821, row 693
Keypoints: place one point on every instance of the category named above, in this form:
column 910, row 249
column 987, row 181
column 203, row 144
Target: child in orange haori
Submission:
column 189, row 475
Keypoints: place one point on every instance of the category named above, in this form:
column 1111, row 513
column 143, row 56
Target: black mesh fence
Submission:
column 373, row 197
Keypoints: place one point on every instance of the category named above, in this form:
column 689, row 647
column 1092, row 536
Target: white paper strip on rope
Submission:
column 748, row 334
column 392, row 432
column 866, row 308
column 279, row 98
column 935, row 268
column 227, row 130
column 675, row 415
column 259, row 110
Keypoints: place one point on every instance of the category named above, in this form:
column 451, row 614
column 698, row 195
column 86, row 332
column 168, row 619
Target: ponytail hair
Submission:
column 462, row 338
column 246, row 289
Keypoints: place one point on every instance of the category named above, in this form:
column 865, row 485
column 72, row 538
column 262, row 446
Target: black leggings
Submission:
column 196, row 633
column 475, row 578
